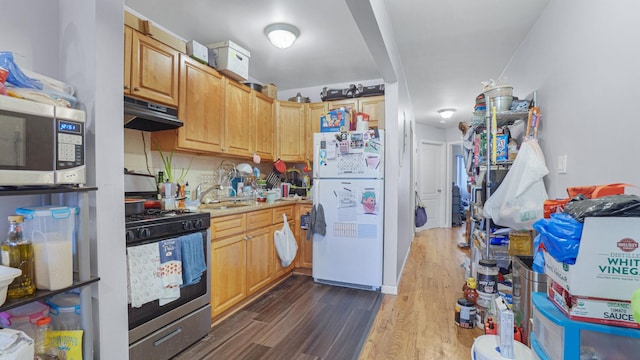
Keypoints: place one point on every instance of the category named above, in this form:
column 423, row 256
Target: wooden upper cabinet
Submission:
column 290, row 141
column 153, row 69
column 312, row 125
column 265, row 125
column 238, row 127
column 374, row 107
column 201, row 110
column 351, row 104
column 128, row 33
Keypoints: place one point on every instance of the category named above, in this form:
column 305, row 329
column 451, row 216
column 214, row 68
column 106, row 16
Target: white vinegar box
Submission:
column 51, row 231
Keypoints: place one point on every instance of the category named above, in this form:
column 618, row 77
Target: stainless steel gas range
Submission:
column 161, row 329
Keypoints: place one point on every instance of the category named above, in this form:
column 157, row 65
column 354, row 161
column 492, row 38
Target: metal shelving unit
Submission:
column 502, row 118
column 82, row 278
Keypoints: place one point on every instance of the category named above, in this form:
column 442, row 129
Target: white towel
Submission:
column 143, row 283
column 170, row 269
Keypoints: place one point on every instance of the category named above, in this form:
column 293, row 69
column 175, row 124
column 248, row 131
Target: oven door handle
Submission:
column 167, row 337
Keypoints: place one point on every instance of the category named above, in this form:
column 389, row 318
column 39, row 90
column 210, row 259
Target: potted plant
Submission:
column 172, row 179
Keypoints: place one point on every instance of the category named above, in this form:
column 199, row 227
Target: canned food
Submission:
column 465, row 314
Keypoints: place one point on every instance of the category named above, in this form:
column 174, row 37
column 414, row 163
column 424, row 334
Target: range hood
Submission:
column 148, row 116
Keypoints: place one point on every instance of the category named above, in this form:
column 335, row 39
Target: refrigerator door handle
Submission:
column 316, row 160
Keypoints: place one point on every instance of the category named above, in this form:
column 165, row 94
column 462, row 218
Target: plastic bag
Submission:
column 286, row 244
column 614, row 205
column 16, row 76
column 560, row 235
column 538, row 255
column 420, row 212
column 519, row 200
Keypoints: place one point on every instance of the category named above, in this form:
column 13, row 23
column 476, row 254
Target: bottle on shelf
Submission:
column 187, row 191
column 470, row 292
column 17, row 252
column 42, row 348
column 160, row 184
column 41, row 340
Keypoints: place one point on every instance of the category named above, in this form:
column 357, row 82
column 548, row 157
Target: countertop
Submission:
column 219, row 209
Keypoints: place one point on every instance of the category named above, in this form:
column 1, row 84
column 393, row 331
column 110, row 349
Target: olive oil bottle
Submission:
column 17, row 252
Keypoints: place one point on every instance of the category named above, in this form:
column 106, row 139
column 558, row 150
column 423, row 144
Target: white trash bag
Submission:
column 286, row 244
column 519, row 200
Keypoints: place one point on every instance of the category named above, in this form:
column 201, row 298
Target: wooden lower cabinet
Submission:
column 244, row 259
column 259, row 258
column 305, row 247
column 228, row 272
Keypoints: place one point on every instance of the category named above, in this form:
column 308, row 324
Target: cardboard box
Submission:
column 599, row 311
column 502, row 142
column 231, row 59
column 198, row 51
column 608, row 261
column 334, row 121
column 164, row 36
column 505, row 328
column 271, row 90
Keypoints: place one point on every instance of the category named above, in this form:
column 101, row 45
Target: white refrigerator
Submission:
column 348, row 181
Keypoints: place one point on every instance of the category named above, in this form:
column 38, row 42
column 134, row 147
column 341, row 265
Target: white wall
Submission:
column 59, row 39
column 373, row 21
column 430, row 133
column 582, row 58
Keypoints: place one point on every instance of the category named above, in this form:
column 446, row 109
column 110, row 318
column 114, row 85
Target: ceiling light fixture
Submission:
column 282, row 35
column 446, row 113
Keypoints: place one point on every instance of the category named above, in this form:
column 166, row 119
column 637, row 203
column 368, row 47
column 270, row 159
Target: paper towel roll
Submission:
column 486, row 347
column 361, row 123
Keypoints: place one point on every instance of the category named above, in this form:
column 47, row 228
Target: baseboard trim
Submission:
column 389, row 290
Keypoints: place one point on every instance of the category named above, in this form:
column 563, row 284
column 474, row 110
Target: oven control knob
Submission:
column 144, row 233
column 130, row 236
column 187, row 225
column 199, row 224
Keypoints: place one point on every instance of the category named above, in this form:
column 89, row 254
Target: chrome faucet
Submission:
column 201, row 194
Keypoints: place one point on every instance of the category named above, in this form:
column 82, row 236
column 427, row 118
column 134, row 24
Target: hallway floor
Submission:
column 418, row 323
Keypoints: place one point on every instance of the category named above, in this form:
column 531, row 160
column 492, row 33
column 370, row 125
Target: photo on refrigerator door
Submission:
column 369, row 203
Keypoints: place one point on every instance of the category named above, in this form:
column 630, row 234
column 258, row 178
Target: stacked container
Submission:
column 24, row 317
column 64, row 310
column 51, row 229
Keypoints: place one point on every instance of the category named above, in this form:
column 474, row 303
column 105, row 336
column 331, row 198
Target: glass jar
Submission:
column 17, row 252
column 487, row 276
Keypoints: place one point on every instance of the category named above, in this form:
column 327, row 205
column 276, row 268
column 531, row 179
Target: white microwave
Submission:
column 41, row 144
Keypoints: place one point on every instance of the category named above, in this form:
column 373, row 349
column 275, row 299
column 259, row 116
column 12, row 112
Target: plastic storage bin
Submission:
column 24, row 317
column 556, row 337
column 230, row 59
column 51, row 230
column 65, row 311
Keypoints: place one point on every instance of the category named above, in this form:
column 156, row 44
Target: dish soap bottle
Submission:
column 18, row 253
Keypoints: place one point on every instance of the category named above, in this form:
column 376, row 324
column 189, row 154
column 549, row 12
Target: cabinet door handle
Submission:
column 126, row 87
column 136, row 89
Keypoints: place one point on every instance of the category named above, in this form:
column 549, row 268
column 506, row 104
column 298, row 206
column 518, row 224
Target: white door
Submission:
column 431, row 187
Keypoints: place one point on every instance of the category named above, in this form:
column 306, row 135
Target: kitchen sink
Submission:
column 224, row 205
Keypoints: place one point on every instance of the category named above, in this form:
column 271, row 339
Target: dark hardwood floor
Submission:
column 298, row 319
